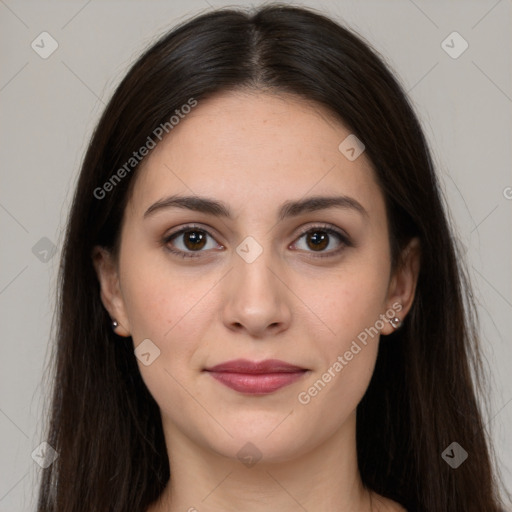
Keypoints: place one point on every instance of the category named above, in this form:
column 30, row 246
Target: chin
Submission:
column 257, row 446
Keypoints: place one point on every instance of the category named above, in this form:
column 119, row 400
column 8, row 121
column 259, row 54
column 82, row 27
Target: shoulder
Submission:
column 382, row 504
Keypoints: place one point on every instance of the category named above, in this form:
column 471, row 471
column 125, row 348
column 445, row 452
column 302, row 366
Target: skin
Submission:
column 253, row 151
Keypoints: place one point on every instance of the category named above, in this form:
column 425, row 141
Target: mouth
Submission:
column 256, row 378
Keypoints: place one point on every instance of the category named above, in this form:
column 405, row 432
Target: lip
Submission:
column 256, row 378
column 255, row 367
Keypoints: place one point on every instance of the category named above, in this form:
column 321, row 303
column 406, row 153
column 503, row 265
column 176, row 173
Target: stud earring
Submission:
column 115, row 324
column 396, row 322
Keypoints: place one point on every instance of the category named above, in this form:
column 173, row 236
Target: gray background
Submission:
column 50, row 106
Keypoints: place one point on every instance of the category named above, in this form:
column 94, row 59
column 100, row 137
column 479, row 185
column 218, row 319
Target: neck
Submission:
column 320, row 478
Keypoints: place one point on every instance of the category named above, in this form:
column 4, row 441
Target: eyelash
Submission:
column 326, row 228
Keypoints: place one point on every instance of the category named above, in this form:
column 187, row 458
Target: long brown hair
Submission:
column 424, row 393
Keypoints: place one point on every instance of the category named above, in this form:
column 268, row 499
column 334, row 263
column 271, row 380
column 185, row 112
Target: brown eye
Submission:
column 190, row 242
column 194, row 240
column 325, row 241
column 317, row 240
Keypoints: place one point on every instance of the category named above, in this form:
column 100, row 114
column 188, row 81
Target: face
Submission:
column 264, row 273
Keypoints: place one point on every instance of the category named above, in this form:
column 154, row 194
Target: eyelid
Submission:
column 329, row 228
column 189, row 227
column 183, row 229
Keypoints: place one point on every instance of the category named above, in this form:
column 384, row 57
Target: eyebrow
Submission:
column 288, row 208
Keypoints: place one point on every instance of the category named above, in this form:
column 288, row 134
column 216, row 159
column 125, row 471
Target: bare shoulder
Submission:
column 382, row 504
column 395, row 507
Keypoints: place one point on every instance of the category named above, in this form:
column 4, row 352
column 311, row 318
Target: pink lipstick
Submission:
column 256, row 378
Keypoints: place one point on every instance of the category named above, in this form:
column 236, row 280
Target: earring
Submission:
column 115, row 324
column 396, row 322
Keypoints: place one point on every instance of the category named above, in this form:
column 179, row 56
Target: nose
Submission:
column 256, row 297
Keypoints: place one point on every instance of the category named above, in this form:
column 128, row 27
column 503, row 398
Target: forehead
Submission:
column 246, row 145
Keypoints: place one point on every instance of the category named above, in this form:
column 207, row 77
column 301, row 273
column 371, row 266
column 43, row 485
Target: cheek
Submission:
column 349, row 301
column 175, row 308
column 161, row 298
column 345, row 366
column 173, row 312
column 353, row 341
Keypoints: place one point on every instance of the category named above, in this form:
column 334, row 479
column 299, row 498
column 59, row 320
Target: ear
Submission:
column 402, row 286
column 111, row 296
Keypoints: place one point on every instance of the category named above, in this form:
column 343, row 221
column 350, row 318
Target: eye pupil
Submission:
column 320, row 239
column 194, row 239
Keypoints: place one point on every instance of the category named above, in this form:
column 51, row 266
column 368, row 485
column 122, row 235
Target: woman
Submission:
column 261, row 306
